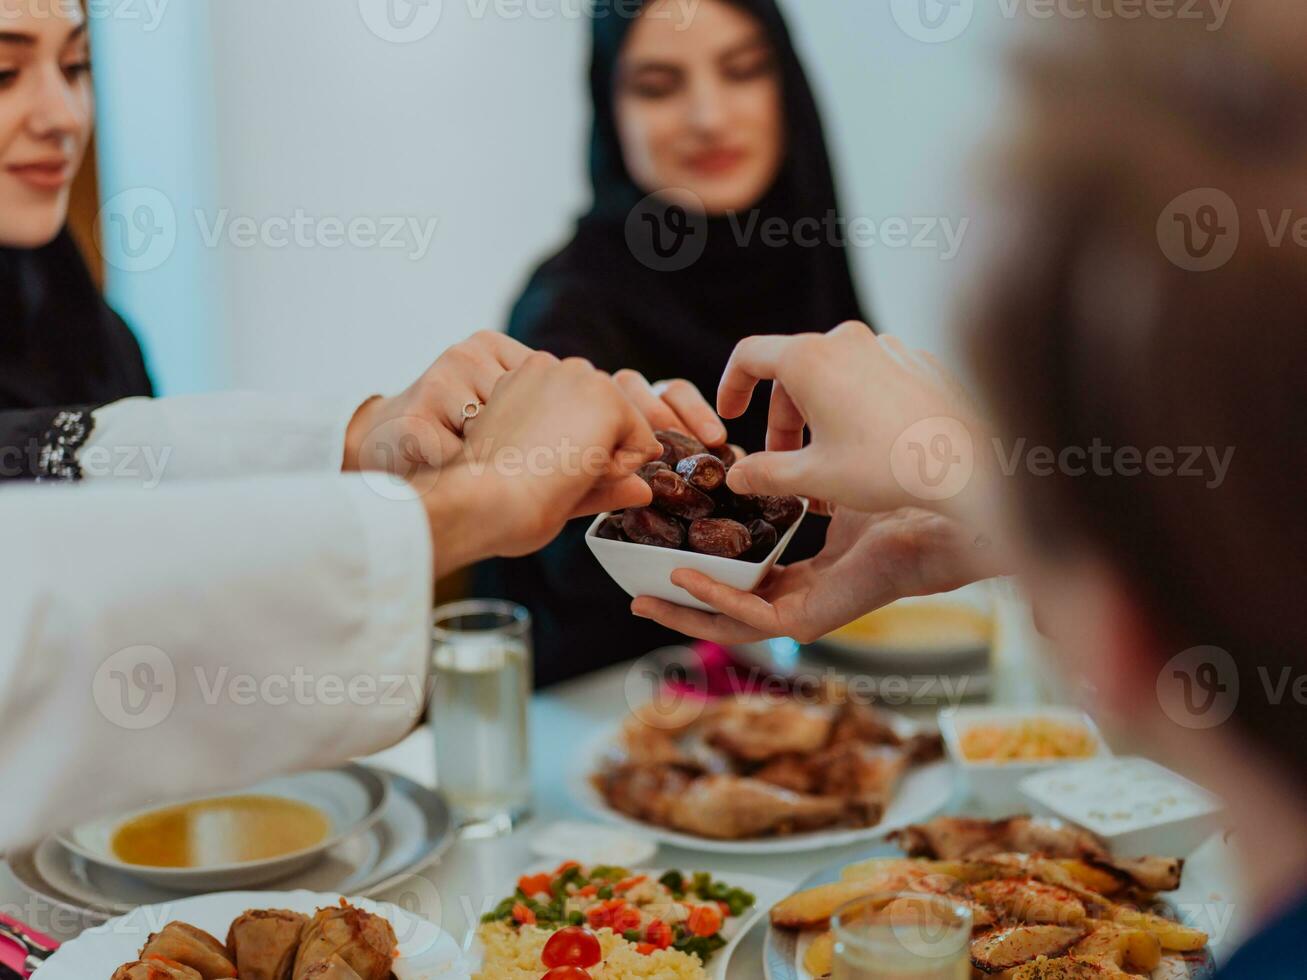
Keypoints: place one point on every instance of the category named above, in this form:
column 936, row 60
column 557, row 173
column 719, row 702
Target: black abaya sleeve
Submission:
column 42, row 443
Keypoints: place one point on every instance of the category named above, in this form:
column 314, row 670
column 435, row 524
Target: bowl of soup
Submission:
column 256, row 835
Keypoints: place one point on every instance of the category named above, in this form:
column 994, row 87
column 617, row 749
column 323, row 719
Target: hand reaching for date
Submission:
column 890, row 427
column 869, row 560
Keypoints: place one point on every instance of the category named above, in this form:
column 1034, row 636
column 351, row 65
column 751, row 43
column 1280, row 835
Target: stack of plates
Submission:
column 383, row 828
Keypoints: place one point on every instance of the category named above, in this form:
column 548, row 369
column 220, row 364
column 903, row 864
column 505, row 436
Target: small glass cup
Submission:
column 902, row 936
column 481, row 689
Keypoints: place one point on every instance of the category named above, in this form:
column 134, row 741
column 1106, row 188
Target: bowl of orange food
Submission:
column 996, row 748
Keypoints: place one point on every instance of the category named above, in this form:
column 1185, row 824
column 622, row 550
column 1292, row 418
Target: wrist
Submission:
column 463, row 513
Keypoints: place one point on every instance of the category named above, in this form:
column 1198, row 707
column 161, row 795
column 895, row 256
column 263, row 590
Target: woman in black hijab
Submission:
column 681, row 112
column 63, row 352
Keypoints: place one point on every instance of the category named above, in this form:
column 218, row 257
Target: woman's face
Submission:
column 699, row 106
column 46, row 113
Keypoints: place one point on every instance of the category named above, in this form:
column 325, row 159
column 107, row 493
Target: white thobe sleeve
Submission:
column 201, row 635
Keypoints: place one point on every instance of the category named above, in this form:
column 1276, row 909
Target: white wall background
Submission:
column 259, row 109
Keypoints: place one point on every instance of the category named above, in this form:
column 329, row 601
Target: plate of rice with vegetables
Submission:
column 608, row 923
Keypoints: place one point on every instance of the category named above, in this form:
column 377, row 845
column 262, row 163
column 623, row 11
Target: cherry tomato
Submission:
column 573, row 946
column 566, row 973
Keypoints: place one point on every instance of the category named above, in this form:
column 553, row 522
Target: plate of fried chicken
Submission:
column 307, row 936
column 764, row 772
column 1048, row 902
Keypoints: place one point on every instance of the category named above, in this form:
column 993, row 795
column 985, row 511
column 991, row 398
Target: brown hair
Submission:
column 1090, row 325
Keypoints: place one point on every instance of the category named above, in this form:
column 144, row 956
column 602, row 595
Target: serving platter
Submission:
column 351, row 798
column 414, row 830
column 923, row 792
column 784, row 951
column 425, row 951
column 767, row 892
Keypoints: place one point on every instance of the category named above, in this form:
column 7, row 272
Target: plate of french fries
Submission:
column 1048, row 902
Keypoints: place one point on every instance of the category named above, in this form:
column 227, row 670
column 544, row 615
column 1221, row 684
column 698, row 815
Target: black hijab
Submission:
column 602, row 298
column 61, row 347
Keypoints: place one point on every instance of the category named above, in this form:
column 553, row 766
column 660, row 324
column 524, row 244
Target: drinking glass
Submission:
column 481, row 677
column 902, row 936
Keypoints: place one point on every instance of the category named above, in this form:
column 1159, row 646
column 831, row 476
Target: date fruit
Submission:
column 647, row 471
column 610, row 529
column 719, row 536
column 703, row 471
column 648, row 526
column 764, row 537
column 729, row 454
column 779, row 511
column 674, row 496
column 677, row 446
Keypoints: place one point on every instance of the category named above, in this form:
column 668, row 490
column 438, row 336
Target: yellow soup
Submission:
column 920, row 626
column 228, row 830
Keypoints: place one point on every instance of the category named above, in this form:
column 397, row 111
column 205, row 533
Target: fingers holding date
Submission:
column 672, row 494
column 693, row 509
column 719, row 536
column 677, row 446
column 702, row 471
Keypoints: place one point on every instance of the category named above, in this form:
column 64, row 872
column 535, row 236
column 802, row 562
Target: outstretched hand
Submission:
column 869, row 560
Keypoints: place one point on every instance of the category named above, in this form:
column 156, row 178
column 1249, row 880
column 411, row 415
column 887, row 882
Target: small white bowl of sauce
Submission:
column 259, row 834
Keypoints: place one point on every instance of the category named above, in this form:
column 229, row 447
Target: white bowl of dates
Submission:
column 695, row 521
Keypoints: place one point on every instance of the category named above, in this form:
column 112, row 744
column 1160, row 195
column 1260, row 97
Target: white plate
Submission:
column 922, row 793
column 414, row 830
column 784, row 951
column 426, row 953
column 766, row 891
column 643, row 569
column 351, row 798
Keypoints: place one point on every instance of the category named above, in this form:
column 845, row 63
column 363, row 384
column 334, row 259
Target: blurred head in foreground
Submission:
column 1145, row 317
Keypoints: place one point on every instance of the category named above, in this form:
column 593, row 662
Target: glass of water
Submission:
column 481, row 686
column 902, row 936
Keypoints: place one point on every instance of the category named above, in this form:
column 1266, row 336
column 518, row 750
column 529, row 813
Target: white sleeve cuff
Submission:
column 145, row 442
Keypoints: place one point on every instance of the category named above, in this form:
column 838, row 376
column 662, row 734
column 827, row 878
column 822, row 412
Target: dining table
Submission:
column 474, row 874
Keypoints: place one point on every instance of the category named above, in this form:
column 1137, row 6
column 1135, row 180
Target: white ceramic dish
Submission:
column 996, row 785
column 784, row 951
column 425, row 952
column 924, row 791
column 592, row 843
column 766, row 891
column 351, row 797
column 414, row 831
column 642, row 569
column 1135, row 805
